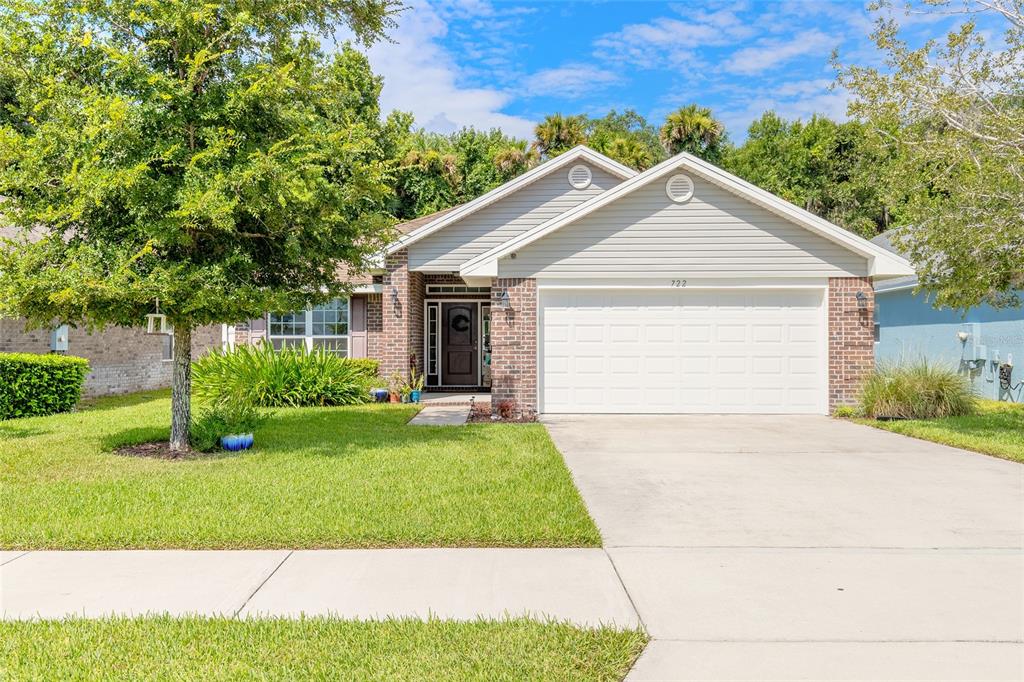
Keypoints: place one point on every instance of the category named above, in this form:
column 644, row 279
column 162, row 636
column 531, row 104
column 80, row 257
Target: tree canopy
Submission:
column 822, row 166
column 208, row 155
column 950, row 114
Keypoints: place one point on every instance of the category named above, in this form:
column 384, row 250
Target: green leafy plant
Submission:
column 39, row 384
column 845, row 412
column 262, row 377
column 223, row 419
column 921, row 390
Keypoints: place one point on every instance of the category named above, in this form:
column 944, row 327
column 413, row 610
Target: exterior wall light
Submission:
column 862, row 300
column 504, row 302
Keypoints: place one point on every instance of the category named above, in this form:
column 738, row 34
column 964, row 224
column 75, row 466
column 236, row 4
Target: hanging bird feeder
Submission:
column 156, row 323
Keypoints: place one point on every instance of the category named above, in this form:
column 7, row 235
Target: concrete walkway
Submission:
column 441, row 415
column 804, row 548
column 578, row 585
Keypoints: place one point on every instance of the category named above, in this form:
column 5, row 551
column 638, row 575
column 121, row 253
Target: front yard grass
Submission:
column 997, row 429
column 318, row 477
column 222, row 649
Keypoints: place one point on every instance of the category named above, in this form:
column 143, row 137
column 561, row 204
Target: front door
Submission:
column 459, row 344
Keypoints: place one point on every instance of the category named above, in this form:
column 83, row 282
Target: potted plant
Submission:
column 239, row 421
column 395, row 384
column 415, row 385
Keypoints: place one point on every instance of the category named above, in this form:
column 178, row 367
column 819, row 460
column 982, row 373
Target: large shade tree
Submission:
column 950, row 112
column 208, row 156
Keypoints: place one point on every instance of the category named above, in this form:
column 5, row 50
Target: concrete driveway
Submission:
column 762, row 548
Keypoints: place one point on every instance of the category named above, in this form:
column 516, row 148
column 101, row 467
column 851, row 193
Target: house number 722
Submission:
column 679, row 283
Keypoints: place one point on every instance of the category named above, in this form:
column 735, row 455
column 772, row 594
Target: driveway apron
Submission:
column 778, row 547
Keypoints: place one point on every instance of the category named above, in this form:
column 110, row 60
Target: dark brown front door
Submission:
column 459, row 344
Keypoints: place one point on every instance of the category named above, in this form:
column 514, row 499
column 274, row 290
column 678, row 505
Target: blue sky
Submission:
column 490, row 63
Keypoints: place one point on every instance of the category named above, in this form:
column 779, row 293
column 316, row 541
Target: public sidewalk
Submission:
column 577, row 585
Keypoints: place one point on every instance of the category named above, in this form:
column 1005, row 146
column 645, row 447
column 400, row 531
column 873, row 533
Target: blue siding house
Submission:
column 986, row 344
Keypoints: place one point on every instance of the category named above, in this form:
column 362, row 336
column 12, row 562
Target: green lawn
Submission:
column 997, row 429
column 319, row 477
column 219, row 649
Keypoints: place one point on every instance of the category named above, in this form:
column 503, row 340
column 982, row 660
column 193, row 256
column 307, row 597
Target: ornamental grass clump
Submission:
column 917, row 391
column 259, row 376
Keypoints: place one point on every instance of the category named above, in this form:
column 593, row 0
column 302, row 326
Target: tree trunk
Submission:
column 181, row 388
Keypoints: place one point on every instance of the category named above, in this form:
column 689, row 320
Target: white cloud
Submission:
column 769, row 53
column 668, row 42
column 570, row 80
column 421, row 76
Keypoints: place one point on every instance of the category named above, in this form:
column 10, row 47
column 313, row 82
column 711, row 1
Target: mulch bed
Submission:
column 482, row 414
column 157, row 450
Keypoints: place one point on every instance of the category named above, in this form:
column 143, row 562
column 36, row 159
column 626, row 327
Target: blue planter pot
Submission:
column 414, row 397
column 237, row 441
column 380, row 395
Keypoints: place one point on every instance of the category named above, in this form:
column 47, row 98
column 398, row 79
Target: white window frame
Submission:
column 308, row 338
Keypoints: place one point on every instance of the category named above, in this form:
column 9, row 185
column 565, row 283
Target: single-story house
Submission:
column 583, row 286
column 981, row 343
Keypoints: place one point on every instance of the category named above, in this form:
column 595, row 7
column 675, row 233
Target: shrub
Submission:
column 845, row 412
column 223, row 419
column 39, row 384
column 917, row 391
column 262, row 377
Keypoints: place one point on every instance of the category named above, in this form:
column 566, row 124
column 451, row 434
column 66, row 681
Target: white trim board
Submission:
column 882, row 263
column 579, row 153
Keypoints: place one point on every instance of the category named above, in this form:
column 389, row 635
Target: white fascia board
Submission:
column 579, row 153
column 882, row 263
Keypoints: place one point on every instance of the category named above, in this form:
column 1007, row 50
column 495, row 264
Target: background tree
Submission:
column 951, row 115
column 825, row 167
column 695, row 130
column 627, row 137
column 208, row 155
column 557, row 134
column 435, row 171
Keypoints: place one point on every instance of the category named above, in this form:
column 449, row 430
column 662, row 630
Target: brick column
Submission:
column 402, row 316
column 514, row 346
column 851, row 339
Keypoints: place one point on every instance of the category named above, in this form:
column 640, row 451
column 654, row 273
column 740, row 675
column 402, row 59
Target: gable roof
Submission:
column 442, row 219
column 882, row 263
column 885, row 241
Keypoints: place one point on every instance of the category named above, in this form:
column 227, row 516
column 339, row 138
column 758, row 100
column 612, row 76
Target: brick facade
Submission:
column 374, row 326
column 514, row 346
column 851, row 338
column 121, row 360
column 402, row 311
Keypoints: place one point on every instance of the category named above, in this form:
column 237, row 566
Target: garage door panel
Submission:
column 754, row 351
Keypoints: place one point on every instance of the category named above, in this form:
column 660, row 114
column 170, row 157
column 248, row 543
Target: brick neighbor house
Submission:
column 584, row 286
column 121, row 359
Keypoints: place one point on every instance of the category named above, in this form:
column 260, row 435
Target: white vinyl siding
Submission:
column 538, row 202
column 714, row 234
column 679, row 351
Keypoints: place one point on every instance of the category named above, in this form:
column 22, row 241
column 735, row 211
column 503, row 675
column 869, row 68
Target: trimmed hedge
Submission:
column 32, row 385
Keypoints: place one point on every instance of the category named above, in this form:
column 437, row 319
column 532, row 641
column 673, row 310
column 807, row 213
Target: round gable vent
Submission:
column 679, row 188
column 580, row 176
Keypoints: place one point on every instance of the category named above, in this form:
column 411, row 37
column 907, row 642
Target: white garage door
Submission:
column 687, row 350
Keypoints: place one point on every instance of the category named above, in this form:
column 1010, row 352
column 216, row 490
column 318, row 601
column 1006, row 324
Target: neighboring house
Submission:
column 584, row 286
column 121, row 360
column 977, row 343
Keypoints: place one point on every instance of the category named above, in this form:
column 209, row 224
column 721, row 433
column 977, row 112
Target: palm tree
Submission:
column 693, row 129
column 630, row 151
column 557, row 134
